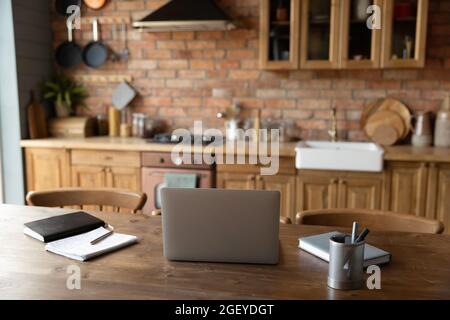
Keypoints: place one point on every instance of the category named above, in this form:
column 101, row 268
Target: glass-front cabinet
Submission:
column 343, row 34
column 279, row 39
column 320, row 34
column 404, row 35
column 361, row 21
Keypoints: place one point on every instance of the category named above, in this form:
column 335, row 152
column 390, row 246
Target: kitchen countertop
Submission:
column 130, row 144
column 395, row 153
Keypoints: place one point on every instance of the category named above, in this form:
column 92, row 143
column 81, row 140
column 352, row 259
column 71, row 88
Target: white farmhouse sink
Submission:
column 348, row 156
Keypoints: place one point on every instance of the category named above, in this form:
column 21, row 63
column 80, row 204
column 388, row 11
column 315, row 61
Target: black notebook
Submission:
column 60, row 227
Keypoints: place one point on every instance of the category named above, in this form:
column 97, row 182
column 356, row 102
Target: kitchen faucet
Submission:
column 333, row 132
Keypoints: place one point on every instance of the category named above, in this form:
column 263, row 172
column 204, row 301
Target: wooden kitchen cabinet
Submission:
column 318, row 189
column 283, row 183
column 236, row 181
column 47, row 169
column 105, row 169
column 438, row 193
column 286, row 186
column 279, row 34
column 123, row 178
column 360, row 190
column 407, row 190
column 404, row 33
column 320, row 30
column 88, row 177
column 333, row 34
column 248, row 177
column 360, row 47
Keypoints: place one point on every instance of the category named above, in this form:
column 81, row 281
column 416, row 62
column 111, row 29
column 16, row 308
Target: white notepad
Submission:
column 80, row 248
column 319, row 245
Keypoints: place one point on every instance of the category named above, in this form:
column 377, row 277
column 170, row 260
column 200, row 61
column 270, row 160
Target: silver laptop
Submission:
column 214, row 225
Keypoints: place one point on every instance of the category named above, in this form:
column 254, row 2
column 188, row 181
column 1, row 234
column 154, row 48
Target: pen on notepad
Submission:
column 103, row 237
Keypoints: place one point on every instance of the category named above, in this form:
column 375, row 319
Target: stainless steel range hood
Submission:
column 186, row 15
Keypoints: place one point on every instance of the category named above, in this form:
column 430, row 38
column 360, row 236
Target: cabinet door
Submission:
column 124, row 178
column 438, row 194
column 286, row 186
column 236, row 181
column 316, row 191
column 47, row 169
column 404, row 33
column 359, row 192
column 279, row 34
column 360, row 46
column 408, row 187
column 89, row 177
column 320, row 34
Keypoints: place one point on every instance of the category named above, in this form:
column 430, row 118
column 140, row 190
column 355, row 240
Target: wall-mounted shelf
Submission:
column 103, row 78
column 107, row 20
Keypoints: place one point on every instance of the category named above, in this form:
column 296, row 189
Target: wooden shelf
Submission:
column 104, row 78
column 107, row 19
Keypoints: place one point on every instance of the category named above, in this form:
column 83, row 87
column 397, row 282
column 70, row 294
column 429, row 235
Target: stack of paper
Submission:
column 80, row 248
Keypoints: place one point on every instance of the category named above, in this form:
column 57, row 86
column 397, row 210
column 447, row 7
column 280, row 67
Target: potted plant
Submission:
column 65, row 94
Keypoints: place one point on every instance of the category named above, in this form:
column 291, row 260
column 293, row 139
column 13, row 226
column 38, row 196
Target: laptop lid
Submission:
column 214, row 225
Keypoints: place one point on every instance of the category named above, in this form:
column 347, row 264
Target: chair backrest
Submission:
column 372, row 219
column 89, row 199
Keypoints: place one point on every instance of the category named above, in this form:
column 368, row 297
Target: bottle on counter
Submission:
column 442, row 128
column 114, row 122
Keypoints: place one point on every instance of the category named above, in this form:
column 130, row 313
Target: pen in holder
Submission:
column 346, row 267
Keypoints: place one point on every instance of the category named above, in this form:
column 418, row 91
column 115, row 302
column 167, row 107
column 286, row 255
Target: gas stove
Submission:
column 168, row 138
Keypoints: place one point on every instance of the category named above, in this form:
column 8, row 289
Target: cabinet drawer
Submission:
column 106, row 158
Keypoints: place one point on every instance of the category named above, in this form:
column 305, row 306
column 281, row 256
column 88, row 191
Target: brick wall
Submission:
column 186, row 76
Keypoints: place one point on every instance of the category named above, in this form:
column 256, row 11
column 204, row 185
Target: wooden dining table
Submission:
column 420, row 267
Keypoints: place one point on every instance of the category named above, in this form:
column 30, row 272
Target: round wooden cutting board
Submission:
column 399, row 108
column 384, row 118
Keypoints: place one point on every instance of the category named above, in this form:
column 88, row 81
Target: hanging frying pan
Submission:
column 95, row 4
column 95, row 53
column 68, row 54
column 62, row 5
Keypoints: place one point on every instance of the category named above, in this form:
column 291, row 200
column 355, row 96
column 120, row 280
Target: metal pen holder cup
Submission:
column 346, row 267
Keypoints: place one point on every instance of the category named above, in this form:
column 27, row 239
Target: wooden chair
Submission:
column 102, row 199
column 372, row 219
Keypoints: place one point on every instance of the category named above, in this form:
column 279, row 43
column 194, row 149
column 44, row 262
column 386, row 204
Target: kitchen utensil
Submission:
column 114, row 122
column 385, row 135
column 386, row 118
column 37, row 124
column 422, row 130
column 95, row 53
column 369, row 109
column 125, row 55
column 442, row 128
column 62, row 5
column 115, row 57
column 123, row 95
column 401, row 109
column 95, row 4
column 68, row 54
